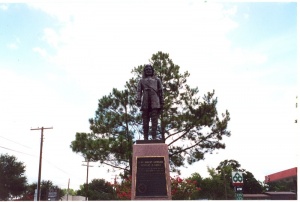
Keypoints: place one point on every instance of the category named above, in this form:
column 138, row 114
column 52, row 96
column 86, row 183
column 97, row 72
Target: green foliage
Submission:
column 189, row 124
column 12, row 179
column 71, row 192
column 98, row 189
column 219, row 185
column 251, row 185
column 229, row 165
column 215, row 187
column 112, row 137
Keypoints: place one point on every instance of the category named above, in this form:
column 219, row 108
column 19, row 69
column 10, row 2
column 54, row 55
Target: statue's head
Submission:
column 148, row 70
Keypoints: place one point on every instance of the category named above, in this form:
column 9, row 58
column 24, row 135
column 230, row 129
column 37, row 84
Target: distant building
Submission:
column 73, row 198
column 271, row 196
column 289, row 175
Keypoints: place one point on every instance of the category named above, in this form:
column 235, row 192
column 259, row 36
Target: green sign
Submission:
column 237, row 177
column 239, row 196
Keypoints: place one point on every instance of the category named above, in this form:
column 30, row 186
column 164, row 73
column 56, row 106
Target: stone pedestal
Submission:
column 150, row 171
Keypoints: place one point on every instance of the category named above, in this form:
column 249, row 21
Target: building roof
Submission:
column 261, row 196
column 286, row 174
column 280, row 193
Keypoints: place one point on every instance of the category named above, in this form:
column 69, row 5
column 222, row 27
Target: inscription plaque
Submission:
column 151, row 177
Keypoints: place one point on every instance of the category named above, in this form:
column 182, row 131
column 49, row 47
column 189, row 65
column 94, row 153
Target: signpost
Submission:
column 237, row 181
column 52, row 195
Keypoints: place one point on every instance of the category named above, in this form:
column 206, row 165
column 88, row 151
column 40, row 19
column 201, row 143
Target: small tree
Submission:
column 183, row 189
column 12, row 179
column 99, row 189
column 197, row 179
column 123, row 189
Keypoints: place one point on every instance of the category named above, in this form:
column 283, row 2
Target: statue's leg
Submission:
column 146, row 119
column 154, row 121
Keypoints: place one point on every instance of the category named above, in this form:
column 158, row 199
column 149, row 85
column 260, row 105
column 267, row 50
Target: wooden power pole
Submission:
column 87, row 177
column 40, row 163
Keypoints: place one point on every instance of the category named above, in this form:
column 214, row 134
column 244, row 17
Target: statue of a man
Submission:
column 150, row 99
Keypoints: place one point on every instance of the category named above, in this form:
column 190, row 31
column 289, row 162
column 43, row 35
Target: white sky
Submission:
column 57, row 60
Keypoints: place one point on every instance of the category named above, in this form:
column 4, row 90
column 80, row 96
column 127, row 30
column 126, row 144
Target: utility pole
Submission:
column 68, row 189
column 87, row 177
column 114, row 178
column 296, row 120
column 115, row 181
column 40, row 163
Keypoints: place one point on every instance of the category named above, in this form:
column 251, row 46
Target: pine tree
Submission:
column 189, row 125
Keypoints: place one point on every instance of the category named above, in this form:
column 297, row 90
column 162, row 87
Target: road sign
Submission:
column 52, row 194
column 238, row 189
column 237, row 178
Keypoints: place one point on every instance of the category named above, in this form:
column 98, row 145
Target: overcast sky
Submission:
column 57, row 59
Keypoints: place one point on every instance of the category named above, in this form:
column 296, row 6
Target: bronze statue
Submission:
column 150, row 99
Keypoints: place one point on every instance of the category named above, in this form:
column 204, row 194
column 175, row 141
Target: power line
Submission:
column 57, row 167
column 18, row 151
column 15, row 142
column 52, row 164
column 36, row 156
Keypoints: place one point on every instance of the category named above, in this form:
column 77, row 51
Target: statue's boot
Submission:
column 146, row 132
column 153, row 135
column 146, row 135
